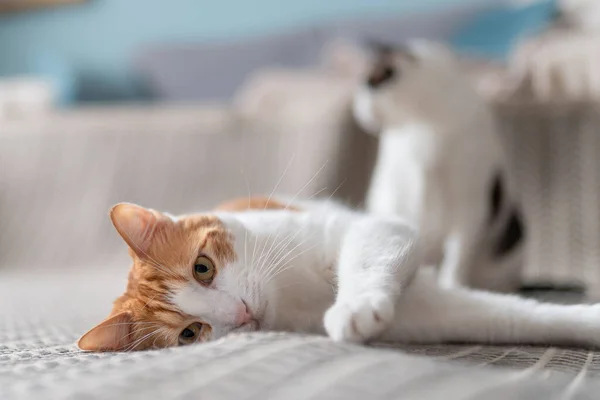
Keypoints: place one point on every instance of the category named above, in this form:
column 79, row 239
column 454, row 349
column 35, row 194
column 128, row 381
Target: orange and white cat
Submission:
column 312, row 267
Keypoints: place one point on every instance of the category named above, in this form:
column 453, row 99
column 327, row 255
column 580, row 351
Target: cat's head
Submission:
column 187, row 283
column 404, row 84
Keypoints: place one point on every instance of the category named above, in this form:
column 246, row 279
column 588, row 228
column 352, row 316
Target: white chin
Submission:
column 362, row 109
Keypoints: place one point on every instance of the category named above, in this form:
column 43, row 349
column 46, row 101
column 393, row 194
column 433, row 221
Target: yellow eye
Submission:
column 204, row 270
column 191, row 334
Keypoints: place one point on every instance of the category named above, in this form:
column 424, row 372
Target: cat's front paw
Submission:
column 359, row 319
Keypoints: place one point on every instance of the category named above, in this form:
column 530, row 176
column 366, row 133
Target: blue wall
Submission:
column 95, row 41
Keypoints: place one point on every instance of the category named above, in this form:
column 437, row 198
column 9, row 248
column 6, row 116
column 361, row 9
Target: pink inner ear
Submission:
column 135, row 224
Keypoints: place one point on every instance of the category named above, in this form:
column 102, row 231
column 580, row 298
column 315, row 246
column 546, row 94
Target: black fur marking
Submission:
column 496, row 197
column 380, row 76
column 512, row 235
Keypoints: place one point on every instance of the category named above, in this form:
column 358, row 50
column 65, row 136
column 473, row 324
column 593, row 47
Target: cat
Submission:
column 309, row 267
column 441, row 166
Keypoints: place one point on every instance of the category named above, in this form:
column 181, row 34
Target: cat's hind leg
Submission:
column 460, row 249
column 428, row 313
column 377, row 260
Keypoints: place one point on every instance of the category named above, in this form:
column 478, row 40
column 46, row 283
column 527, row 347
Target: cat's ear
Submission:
column 137, row 225
column 113, row 334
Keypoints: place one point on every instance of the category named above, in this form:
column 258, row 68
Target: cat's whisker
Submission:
column 273, row 270
column 271, row 195
column 254, row 251
column 270, row 260
column 280, row 179
column 306, row 184
column 287, row 206
column 151, row 299
column 271, row 249
column 315, row 194
column 135, row 332
column 141, row 340
column 287, row 264
column 164, row 335
column 280, row 248
column 148, row 325
column 277, row 257
column 155, row 264
column 262, row 251
column 245, row 245
column 161, row 268
column 336, row 189
column 129, row 323
column 248, row 207
column 154, row 342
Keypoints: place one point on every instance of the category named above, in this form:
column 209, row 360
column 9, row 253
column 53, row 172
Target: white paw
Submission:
column 359, row 319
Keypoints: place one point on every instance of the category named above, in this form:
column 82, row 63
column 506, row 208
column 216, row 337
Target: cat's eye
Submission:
column 381, row 76
column 204, row 270
column 190, row 334
column 388, row 73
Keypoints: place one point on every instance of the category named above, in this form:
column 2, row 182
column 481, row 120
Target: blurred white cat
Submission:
column 441, row 165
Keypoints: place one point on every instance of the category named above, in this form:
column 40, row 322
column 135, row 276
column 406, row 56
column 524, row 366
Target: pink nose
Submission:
column 243, row 315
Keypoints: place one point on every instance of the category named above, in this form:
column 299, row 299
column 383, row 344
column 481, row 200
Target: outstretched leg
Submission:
column 428, row 313
column 377, row 261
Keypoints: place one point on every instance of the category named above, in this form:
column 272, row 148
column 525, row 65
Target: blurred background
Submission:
column 181, row 105
column 142, row 50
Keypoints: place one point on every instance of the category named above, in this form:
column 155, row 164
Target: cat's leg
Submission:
column 381, row 198
column 377, row 260
column 459, row 253
column 394, row 189
column 428, row 313
column 451, row 214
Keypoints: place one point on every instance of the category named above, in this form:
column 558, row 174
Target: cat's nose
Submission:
column 243, row 315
